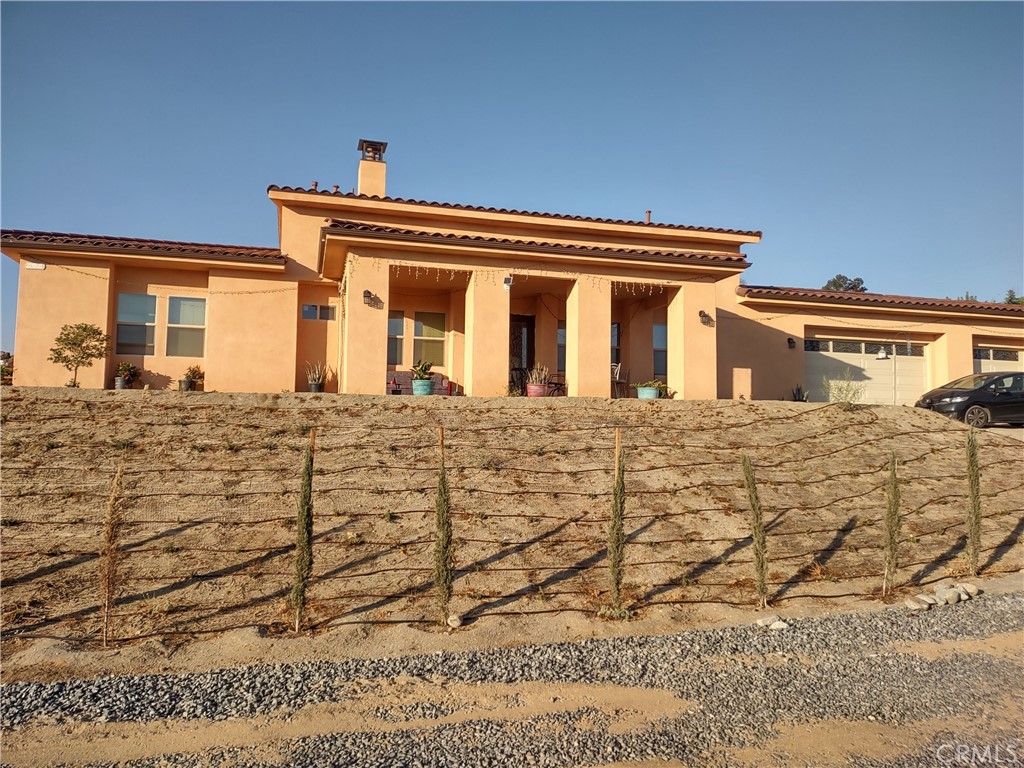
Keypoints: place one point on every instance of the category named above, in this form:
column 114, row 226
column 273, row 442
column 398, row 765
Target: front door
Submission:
column 520, row 349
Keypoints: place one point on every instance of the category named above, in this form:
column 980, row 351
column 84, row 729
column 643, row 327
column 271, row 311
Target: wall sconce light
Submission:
column 705, row 318
column 791, row 342
column 507, row 282
column 367, row 298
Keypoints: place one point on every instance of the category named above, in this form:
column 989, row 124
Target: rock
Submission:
column 454, row 620
column 917, row 604
column 930, row 599
column 970, row 589
column 949, row 596
column 778, row 625
column 767, row 621
column 964, row 594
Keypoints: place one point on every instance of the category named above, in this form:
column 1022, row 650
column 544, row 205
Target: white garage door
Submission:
column 992, row 359
column 898, row 378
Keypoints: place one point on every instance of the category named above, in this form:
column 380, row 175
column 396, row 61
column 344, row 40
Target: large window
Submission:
column 616, row 343
column 428, row 337
column 136, row 324
column 186, row 326
column 660, row 350
column 396, row 336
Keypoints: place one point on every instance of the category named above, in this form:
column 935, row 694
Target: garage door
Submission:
column 897, row 377
column 992, row 359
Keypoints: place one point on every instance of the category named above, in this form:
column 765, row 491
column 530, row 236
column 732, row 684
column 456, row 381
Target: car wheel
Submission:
column 976, row 416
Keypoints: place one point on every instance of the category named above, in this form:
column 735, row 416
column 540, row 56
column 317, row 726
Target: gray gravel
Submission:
column 855, row 672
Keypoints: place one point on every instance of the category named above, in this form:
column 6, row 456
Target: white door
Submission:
column 992, row 359
column 899, row 377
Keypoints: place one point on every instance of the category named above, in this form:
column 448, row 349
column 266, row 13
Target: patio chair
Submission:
column 620, row 381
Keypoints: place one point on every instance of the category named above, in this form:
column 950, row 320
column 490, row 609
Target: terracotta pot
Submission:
column 536, row 390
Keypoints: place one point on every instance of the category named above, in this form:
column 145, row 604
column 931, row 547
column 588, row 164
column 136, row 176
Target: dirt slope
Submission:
column 210, row 481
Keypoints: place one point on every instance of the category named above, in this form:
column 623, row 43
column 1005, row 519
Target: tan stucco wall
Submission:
column 251, row 336
column 67, row 292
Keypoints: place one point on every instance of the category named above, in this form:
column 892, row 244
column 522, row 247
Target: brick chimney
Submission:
column 372, row 168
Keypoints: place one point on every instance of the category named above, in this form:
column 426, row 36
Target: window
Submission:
column 913, row 350
column 396, row 336
column 848, row 347
column 1006, row 355
column 428, row 337
column 136, row 324
column 616, row 343
column 815, row 345
column 660, row 350
column 561, row 346
column 186, row 326
column 317, row 312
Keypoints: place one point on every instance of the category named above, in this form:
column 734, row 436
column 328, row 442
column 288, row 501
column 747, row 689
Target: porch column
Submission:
column 364, row 346
column 487, row 321
column 588, row 347
column 692, row 342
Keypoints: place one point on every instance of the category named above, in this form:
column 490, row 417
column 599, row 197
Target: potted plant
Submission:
column 193, row 374
column 422, row 381
column 537, row 381
column 126, row 375
column 651, row 390
column 316, row 375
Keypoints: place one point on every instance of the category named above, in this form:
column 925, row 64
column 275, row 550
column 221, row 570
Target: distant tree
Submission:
column 1012, row 297
column 77, row 346
column 968, row 296
column 843, row 283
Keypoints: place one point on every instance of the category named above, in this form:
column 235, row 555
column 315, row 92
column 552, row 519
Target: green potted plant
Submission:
column 651, row 390
column 193, row 374
column 422, row 381
column 316, row 375
column 126, row 375
column 537, row 381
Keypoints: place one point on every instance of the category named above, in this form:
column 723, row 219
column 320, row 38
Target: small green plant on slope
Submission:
column 892, row 528
column 844, row 392
column 78, row 346
column 616, row 536
column 304, row 533
column 757, row 532
column 443, row 548
column 974, row 504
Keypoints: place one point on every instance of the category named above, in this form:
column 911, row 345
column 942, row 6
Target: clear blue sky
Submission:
column 880, row 140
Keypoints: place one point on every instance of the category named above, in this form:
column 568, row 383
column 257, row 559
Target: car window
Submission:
column 1003, row 382
column 1018, row 383
column 968, row 382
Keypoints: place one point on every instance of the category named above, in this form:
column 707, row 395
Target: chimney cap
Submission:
column 372, row 150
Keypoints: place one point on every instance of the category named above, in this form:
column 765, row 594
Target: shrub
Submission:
column 844, row 392
column 757, row 532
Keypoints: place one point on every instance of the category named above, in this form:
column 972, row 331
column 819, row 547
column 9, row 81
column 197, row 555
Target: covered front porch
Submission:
column 483, row 328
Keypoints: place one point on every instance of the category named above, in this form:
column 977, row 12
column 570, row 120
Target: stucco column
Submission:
column 588, row 327
column 951, row 356
column 486, row 345
column 364, row 347
column 692, row 344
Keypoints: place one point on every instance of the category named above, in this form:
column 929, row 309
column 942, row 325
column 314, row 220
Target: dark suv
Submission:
column 980, row 399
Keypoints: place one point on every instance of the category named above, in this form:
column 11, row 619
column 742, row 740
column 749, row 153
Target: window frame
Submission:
column 149, row 347
column 655, row 349
column 418, row 339
column 184, row 326
column 395, row 314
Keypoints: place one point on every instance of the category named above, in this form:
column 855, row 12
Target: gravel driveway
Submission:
column 890, row 688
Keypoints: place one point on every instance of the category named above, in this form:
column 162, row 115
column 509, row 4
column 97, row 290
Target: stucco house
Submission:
column 368, row 284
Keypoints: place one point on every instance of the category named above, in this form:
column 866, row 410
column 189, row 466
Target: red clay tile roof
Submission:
column 877, row 299
column 337, row 226
column 511, row 211
column 31, row 240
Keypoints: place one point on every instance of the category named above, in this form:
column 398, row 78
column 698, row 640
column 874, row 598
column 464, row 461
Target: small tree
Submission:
column 757, row 534
column 844, row 283
column 444, row 557
column 304, row 533
column 892, row 527
column 1012, row 297
column 973, row 505
column 77, row 346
